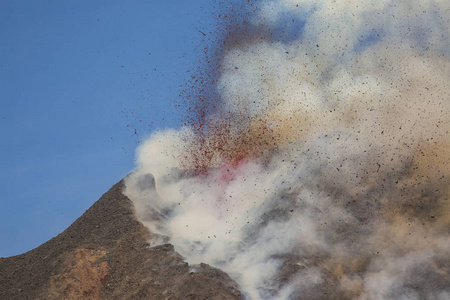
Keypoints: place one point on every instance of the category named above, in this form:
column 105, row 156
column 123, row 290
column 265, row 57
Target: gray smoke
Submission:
column 341, row 189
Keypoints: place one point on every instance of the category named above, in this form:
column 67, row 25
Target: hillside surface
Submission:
column 105, row 254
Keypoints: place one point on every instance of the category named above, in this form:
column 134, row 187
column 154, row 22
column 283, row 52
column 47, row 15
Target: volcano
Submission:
column 313, row 164
column 105, row 254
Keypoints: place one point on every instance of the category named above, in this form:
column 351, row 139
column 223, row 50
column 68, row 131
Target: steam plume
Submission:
column 325, row 171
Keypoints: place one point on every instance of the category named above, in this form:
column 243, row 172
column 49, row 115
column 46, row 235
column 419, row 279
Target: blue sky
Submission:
column 82, row 82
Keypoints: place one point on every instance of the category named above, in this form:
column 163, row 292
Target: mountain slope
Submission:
column 104, row 254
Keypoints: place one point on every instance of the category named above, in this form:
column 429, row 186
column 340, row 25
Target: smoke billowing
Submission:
column 324, row 171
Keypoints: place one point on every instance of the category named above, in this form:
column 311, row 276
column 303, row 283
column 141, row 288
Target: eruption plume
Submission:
column 323, row 170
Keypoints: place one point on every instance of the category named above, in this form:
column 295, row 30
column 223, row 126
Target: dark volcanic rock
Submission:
column 104, row 254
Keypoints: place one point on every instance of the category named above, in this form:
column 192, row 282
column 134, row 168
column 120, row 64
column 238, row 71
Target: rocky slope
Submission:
column 105, row 254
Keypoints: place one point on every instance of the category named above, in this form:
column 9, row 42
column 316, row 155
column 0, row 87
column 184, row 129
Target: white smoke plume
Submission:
column 325, row 174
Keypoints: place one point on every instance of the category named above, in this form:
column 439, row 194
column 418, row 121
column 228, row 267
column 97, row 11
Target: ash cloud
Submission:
column 326, row 171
